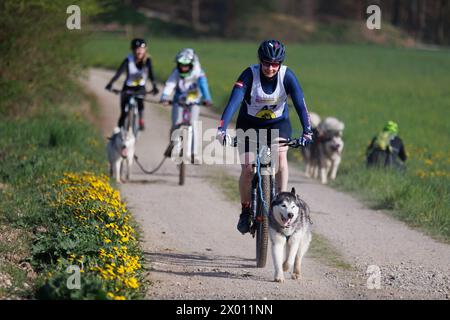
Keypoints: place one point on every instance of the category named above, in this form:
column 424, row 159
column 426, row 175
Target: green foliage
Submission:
column 88, row 227
column 91, row 288
column 34, row 153
column 38, row 55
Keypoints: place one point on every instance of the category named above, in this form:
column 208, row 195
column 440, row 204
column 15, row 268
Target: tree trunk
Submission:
column 195, row 14
column 308, row 9
column 396, row 13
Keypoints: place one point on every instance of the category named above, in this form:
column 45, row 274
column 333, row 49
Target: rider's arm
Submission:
column 294, row 89
column 150, row 71
column 119, row 71
column 237, row 96
column 170, row 85
column 204, row 88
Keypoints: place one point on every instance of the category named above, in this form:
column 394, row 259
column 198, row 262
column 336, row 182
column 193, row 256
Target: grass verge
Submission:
column 42, row 233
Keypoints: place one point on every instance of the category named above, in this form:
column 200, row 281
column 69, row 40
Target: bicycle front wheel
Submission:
column 262, row 222
column 182, row 168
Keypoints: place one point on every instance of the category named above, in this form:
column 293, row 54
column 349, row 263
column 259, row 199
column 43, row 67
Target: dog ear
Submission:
column 293, row 191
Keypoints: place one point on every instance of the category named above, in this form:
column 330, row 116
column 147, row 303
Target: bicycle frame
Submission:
column 258, row 170
column 184, row 141
column 131, row 109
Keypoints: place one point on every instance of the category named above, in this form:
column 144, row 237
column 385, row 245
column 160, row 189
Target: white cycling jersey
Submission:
column 136, row 77
column 263, row 105
column 187, row 86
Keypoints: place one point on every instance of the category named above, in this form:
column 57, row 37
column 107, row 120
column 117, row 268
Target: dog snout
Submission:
column 290, row 215
column 335, row 147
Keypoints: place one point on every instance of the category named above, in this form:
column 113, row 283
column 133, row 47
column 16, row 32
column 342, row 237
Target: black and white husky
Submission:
column 290, row 233
column 120, row 149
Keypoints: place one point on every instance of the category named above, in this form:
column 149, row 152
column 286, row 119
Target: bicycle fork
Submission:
column 254, row 204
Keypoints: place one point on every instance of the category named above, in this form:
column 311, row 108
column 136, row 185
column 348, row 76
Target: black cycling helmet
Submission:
column 138, row 43
column 271, row 51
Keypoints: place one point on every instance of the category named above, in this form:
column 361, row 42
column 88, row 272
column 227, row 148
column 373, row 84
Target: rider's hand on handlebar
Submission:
column 223, row 137
column 306, row 138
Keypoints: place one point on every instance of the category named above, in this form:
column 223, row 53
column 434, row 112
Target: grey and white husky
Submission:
column 324, row 156
column 290, row 233
column 121, row 147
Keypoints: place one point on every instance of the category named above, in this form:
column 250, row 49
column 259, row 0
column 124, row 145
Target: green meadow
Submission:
column 362, row 85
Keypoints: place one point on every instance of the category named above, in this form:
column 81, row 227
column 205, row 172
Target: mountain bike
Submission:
column 182, row 140
column 131, row 110
column 263, row 191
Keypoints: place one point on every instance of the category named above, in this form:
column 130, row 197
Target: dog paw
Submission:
column 279, row 279
column 296, row 276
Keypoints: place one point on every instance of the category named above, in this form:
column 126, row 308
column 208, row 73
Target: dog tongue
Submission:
column 124, row 152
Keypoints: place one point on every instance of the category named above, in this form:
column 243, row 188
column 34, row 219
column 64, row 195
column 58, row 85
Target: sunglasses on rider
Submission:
column 268, row 64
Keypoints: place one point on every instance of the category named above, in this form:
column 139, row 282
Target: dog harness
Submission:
column 274, row 224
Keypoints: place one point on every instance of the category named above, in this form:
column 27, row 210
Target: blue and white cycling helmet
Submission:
column 272, row 51
column 185, row 61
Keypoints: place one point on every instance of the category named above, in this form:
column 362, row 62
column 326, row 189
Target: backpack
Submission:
column 383, row 141
column 381, row 154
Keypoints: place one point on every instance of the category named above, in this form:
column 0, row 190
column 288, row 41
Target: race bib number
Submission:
column 192, row 96
column 136, row 82
column 266, row 113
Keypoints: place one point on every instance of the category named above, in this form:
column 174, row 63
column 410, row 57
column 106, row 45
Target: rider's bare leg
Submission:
column 195, row 112
column 245, row 180
column 282, row 174
column 245, row 183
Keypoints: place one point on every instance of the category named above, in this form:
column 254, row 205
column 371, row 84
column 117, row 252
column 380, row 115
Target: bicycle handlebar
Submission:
column 291, row 143
column 136, row 94
column 182, row 103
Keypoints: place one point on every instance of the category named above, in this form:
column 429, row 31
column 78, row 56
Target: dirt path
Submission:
column 195, row 252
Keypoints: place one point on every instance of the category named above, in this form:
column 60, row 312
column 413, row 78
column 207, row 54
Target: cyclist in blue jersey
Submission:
column 138, row 68
column 261, row 94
